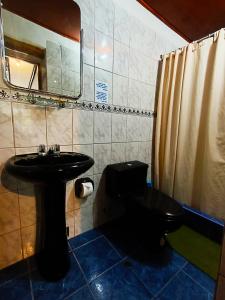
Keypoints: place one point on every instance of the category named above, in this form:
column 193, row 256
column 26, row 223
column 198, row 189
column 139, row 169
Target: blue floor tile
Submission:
column 182, row 287
column 203, row 279
column 119, row 283
column 153, row 276
column 83, row 294
column 122, row 238
column 84, row 238
column 96, row 257
column 45, row 290
column 18, row 288
column 13, row 271
column 178, row 260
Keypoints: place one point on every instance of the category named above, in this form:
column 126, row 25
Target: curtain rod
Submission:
column 197, row 41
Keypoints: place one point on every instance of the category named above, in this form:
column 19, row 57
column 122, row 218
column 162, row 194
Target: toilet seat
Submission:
column 160, row 205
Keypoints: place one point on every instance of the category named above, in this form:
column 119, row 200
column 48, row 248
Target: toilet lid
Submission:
column 161, row 204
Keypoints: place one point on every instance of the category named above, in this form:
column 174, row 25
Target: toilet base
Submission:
column 149, row 228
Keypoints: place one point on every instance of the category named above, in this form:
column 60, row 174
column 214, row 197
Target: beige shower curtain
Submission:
column 190, row 127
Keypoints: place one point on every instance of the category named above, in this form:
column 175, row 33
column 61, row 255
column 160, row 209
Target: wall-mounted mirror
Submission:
column 42, row 46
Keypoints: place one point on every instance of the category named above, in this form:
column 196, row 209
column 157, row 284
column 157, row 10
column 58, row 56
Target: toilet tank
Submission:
column 124, row 179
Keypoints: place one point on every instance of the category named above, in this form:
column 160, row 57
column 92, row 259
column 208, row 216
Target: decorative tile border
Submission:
column 85, row 105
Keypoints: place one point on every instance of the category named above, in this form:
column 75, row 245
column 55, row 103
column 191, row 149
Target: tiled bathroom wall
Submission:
column 119, row 50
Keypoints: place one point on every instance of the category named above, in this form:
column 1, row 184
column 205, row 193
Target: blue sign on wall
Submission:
column 101, row 91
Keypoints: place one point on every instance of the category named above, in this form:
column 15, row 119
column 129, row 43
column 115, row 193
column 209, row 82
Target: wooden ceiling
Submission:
column 192, row 19
column 60, row 16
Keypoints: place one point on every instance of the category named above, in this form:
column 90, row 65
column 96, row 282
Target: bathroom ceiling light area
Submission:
column 191, row 19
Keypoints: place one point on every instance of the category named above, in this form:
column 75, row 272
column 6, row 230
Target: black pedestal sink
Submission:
column 50, row 174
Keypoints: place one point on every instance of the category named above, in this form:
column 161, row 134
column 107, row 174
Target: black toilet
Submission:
column 149, row 211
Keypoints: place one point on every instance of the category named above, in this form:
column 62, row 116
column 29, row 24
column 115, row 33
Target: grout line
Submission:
column 13, row 125
column 87, row 243
column 46, row 127
column 85, row 278
column 142, row 283
column 31, row 285
column 112, row 246
column 114, row 265
column 75, row 292
column 14, row 277
column 169, row 281
column 75, row 257
column 196, row 282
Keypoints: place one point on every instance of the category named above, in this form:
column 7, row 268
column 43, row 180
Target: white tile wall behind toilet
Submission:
column 122, row 45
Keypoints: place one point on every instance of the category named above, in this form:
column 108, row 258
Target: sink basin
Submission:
column 48, row 168
column 49, row 174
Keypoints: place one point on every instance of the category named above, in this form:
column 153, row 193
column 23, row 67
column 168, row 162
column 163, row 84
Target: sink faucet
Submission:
column 55, row 149
column 41, row 150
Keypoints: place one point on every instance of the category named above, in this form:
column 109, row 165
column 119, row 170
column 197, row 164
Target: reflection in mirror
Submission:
column 42, row 46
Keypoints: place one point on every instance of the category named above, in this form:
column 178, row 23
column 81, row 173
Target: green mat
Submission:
column 196, row 248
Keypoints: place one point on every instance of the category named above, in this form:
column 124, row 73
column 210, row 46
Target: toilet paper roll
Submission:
column 86, row 189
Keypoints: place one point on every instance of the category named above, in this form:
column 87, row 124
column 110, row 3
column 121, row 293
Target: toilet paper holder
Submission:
column 79, row 185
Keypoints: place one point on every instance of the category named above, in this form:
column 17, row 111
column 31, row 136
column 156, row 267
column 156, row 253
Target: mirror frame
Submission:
column 46, row 93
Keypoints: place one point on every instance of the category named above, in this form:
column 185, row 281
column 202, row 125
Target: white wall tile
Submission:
column 145, row 124
column 27, row 204
column 9, row 211
column 144, row 149
column 11, row 248
column 143, row 42
column 135, row 65
column 103, row 51
column 89, row 45
column 133, row 128
column 132, row 151
column 88, row 83
column 102, row 157
column 135, row 93
column 104, row 16
column 121, row 59
column 59, row 126
column 120, row 90
column 83, row 219
column 152, row 71
column 82, row 127
column 29, row 125
column 6, row 125
column 121, row 25
column 87, row 12
column 148, row 96
column 118, row 152
column 102, row 127
column 119, row 126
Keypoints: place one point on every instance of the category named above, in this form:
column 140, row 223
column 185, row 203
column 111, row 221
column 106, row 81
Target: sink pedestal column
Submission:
column 53, row 258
